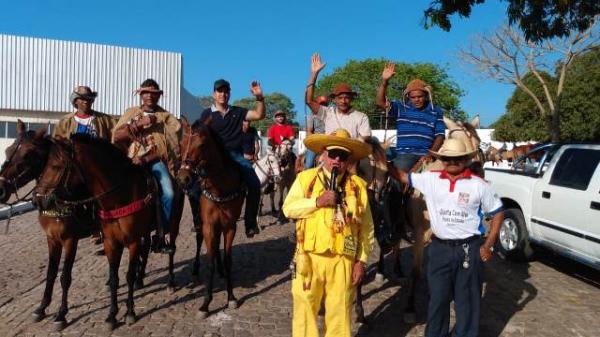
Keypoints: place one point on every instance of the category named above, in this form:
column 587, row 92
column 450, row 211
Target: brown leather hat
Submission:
column 343, row 88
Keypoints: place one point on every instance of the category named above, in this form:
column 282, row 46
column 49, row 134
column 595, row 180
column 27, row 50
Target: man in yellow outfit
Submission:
column 334, row 232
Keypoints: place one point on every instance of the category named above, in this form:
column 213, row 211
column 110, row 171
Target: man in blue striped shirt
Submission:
column 420, row 125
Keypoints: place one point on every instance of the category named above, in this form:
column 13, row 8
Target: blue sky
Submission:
column 269, row 40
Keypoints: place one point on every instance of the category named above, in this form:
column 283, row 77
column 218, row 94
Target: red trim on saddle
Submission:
column 126, row 210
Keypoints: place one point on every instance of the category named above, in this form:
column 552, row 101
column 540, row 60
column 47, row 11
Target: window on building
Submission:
column 3, row 129
column 575, row 168
column 11, row 130
column 35, row 126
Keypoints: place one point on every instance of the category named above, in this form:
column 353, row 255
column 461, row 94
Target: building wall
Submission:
column 39, row 74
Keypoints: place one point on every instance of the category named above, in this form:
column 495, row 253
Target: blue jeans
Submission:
column 405, row 161
column 167, row 194
column 309, row 159
column 253, row 185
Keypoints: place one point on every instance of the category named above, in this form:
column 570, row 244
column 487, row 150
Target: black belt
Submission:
column 457, row 242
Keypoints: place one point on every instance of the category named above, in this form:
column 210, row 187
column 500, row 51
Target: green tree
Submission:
column 273, row 102
column 539, row 20
column 522, row 121
column 365, row 76
column 579, row 105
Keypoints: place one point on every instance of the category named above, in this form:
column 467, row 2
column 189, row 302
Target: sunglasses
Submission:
column 342, row 155
column 453, row 159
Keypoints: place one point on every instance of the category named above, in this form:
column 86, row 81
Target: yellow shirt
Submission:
column 318, row 235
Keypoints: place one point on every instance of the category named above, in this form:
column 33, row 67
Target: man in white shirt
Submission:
column 454, row 197
column 342, row 115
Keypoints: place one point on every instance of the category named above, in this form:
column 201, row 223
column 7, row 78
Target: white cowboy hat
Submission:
column 453, row 148
column 339, row 139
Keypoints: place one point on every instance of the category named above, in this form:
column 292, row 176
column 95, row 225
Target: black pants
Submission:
column 449, row 280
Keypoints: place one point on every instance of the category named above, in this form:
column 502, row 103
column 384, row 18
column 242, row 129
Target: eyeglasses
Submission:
column 341, row 154
column 453, row 159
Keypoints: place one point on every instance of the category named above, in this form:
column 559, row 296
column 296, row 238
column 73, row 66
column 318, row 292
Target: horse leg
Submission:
column 218, row 259
column 113, row 252
column 54, row 253
column 65, row 281
column 196, row 265
column 143, row 262
column 273, row 209
column 380, row 276
column 229, row 234
column 358, row 307
column 281, row 216
column 171, row 282
column 410, row 315
column 397, row 261
column 209, row 240
column 133, row 248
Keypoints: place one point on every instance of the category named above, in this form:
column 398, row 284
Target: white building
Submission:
column 38, row 75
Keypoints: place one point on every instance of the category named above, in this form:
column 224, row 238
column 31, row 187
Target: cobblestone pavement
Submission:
column 549, row 297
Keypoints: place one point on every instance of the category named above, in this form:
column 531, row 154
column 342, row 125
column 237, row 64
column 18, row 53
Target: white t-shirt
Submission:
column 454, row 207
column 355, row 122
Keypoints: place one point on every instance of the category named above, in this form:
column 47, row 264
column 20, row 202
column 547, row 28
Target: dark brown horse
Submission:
column 125, row 195
column 221, row 201
column 26, row 158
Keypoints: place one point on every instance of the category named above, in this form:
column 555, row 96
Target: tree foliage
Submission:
column 205, row 101
column 579, row 106
column 365, row 77
column 539, row 20
column 273, row 102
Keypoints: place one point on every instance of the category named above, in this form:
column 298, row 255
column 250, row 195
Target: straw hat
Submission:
column 453, row 148
column 339, row 139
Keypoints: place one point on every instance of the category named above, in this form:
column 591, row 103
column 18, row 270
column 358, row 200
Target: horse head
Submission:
column 25, row 160
column 61, row 178
column 464, row 131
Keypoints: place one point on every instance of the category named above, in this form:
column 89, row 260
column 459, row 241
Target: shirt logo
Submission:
column 463, row 198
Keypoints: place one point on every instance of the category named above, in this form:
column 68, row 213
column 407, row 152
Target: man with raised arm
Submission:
column 341, row 115
column 419, row 125
column 227, row 121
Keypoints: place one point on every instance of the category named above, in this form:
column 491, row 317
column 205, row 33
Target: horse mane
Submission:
column 471, row 129
column 378, row 150
column 117, row 157
column 200, row 127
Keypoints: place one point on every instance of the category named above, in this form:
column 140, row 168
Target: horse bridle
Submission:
column 186, row 164
column 14, row 181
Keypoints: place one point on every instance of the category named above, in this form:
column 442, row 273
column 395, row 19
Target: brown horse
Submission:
column 221, row 202
column 112, row 182
column 26, row 158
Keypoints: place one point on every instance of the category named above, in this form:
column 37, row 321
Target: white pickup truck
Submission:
column 551, row 197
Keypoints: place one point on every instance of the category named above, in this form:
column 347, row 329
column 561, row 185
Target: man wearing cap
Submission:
column 454, row 197
column 419, row 125
column 84, row 121
column 280, row 130
column 334, row 232
column 342, row 115
column 226, row 120
column 151, row 136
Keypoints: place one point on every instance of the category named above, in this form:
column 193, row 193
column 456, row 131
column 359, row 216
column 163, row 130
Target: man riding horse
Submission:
column 151, row 135
column 226, row 121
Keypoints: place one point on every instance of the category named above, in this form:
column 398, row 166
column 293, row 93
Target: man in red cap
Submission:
column 342, row 115
column 280, row 130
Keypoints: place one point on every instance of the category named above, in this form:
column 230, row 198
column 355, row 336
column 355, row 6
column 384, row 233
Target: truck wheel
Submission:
column 513, row 241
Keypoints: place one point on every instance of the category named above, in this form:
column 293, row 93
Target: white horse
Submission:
column 287, row 161
column 268, row 171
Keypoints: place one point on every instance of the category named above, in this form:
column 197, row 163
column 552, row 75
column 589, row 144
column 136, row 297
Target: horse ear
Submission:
column 475, row 122
column 450, row 124
column 21, row 128
column 184, row 122
column 41, row 132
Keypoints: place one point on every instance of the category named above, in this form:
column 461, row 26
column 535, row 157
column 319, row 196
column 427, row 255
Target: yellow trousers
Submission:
column 332, row 279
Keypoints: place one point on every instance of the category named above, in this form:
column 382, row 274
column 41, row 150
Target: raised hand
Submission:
column 255, row 89
column 315, row 64
column 388, row 71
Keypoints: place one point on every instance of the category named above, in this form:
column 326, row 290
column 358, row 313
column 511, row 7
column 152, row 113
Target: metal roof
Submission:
column 39, row 74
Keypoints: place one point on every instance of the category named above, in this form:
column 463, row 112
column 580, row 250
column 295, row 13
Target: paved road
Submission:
column 548, row 297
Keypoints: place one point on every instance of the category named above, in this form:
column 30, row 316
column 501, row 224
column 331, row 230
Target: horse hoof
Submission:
column 37, row 316
column 410, row 317
column 171, row 289
column 379, row 278
column 233, row 304
column 202, row 314
column 110, row 324
column 58, row 325
column 130, row 319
